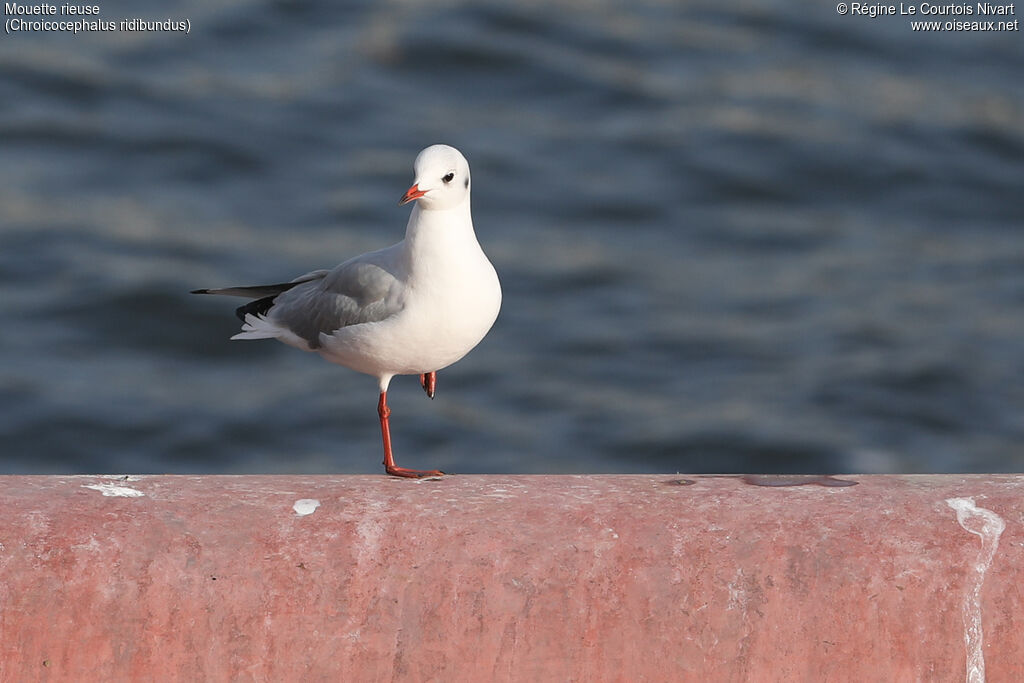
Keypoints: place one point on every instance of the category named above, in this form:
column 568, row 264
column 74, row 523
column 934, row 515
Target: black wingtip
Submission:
column 200, row 291
column 258, row 307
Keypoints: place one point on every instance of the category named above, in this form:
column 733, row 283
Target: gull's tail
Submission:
column 257, row 327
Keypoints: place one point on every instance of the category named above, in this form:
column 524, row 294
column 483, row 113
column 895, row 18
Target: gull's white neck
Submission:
column 435, row 237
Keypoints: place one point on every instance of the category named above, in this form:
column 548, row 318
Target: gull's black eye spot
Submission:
column 448, row 178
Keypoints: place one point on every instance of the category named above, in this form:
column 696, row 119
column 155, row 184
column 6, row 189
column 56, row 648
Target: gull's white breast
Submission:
column 449, row 299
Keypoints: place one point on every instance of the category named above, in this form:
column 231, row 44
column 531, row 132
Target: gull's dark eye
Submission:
column 448, row 178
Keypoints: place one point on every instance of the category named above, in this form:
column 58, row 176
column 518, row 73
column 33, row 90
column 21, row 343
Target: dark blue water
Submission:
column 733, row 237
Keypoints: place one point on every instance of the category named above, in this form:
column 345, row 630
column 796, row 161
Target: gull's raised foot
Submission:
column 428, row 380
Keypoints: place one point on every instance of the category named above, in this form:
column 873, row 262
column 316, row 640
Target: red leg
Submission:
column 389, row 460
column 429, row 382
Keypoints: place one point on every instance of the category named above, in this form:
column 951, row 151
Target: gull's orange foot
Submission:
column 396, row 471
column 428, row 380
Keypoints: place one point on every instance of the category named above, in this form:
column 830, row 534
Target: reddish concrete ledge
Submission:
column 527, row 578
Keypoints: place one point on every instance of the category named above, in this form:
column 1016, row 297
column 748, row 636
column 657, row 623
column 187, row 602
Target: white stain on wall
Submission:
column 988, row 526
column 115, row 491
column 306, row 506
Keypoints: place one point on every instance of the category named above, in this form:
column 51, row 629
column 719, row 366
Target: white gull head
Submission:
column 441, row 179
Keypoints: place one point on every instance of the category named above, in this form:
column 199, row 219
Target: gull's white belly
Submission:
column 441, row 321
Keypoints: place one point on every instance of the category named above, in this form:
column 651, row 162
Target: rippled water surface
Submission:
column 733, row 237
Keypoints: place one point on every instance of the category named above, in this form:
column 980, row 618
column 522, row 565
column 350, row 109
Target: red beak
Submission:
column 412, row 193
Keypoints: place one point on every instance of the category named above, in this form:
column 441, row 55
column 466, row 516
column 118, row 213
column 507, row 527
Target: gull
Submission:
column 412, row 308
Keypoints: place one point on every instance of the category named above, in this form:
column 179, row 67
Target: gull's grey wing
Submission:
column 361, row 290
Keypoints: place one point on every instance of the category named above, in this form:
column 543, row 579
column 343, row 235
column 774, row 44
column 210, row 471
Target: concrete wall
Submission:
column 525, row 578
